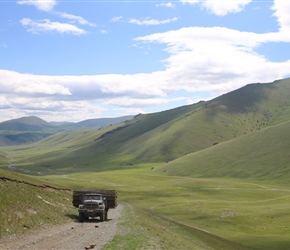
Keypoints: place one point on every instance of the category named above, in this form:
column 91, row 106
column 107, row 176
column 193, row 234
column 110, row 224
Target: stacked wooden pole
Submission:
column 111, row 196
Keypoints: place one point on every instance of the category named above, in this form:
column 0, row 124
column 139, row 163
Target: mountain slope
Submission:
column 267, row 103
column 24, row 130
column 261, row 155
column 235, row 114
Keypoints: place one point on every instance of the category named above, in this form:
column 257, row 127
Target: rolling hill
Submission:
column 30, row 123
column 24, row 130
column 262, row 155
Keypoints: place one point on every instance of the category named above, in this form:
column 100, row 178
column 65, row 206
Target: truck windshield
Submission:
column 93, row 197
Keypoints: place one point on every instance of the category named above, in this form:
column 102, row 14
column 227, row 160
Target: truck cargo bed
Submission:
column 111, row 196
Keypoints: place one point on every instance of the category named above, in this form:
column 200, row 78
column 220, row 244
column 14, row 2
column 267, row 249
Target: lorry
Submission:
column 94, row 203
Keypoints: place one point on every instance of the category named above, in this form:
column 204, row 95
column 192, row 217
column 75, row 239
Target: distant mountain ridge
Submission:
column 32, row 128
column 30, row 123
column 97, row 122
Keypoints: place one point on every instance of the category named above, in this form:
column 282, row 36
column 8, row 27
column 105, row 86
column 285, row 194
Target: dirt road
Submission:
column 73, row 236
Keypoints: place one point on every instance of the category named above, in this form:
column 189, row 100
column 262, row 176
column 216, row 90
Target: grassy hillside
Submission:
column 167, row 135
column 263, row 104
column 87, row 150
column 57, row 152
column 27, row 205
column 3, row 159
column 9, row 138
column 196, row 127
column 263, row 154
column 24, row 130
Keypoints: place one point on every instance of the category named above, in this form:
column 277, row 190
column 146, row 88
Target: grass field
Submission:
column 217, row 213
column 160, row 212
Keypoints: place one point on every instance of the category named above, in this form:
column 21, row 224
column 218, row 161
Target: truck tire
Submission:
column 102, row 216
column 81, row 217
column 106, row 215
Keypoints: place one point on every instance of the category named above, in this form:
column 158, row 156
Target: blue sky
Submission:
column 76, row 60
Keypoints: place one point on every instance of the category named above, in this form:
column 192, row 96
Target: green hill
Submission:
column 262, row 155
column 24, row 204
column 171, row 134
column 30, row 123
column 24, row 130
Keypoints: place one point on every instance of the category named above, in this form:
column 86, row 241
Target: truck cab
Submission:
column 93, row 205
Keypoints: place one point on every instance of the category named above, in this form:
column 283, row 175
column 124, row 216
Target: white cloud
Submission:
column 220, row 7
column 50, row 110
column 127, row 102
column 46, row 5
column 190, row 1
column 216, row 59
column 282, row 10
column 45, row 25
column 149, row 21
column 77, row 95
column 116, row 19
column 168, row 5
column 75, row 18
column 29, row 85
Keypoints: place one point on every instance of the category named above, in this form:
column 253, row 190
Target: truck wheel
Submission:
column 106, row 215
column 81, row 217
column 102, row 216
